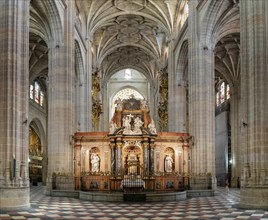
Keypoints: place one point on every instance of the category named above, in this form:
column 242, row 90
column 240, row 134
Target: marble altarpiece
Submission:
column 132, row 154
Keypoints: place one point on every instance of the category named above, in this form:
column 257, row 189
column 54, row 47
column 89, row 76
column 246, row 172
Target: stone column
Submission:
column 119, row 158
column 180, row 113
column 254, row 90
column 112, row 146
column 88, row 86
column 176, row 94
column 105, row 106
column 153, row 102
column 61, row 97
column 81, row 85
column 152, row 146
column 201, row 105
column 171, row 88
column 146, row 157
column 235, row 136
column 14, row 100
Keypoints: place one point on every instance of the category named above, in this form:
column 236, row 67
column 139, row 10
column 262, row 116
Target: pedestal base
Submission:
column 14, row 198
column 203, row 183
column 254, row 198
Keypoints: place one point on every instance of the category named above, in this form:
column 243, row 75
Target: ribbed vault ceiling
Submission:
column 227, row 58
column 131, row 33
column 38, row 59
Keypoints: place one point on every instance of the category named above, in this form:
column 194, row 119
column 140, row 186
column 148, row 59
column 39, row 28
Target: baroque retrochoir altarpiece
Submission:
column 132, row 155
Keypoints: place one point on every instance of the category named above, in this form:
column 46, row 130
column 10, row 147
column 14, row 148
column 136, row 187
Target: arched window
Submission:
column 125, row 94
column 128, row 74
column 36, row 93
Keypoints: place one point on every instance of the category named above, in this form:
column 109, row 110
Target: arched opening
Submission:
column 125, row 84
column 223, row 157
column 227, row 107
column 36, row 156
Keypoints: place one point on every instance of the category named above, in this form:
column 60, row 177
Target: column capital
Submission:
column 152, row 145
column 112, row 145
column 77, row 146
column 119, row 145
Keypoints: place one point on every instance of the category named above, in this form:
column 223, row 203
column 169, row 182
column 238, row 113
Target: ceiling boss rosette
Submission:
column 130, row 5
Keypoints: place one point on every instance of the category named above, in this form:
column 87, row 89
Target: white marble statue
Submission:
column 113, row 127
column 168, row 164
column 151, row 127
column 95, row 163
column 126, row 124
column 144, row 104
column 137, row 125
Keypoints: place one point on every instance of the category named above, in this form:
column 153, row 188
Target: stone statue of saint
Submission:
column 126, row 124
column 113, row 127
column 168, row 164
column 137, row 125
column 95, row 163
column 144, row 104
column 151, row 127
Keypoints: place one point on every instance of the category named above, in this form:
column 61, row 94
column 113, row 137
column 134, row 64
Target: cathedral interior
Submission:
column 105, row 99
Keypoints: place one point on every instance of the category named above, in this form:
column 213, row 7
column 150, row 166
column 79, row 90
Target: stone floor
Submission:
column 223, row 206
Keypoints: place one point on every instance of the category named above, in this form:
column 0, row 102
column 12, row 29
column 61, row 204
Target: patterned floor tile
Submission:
column 223, row 206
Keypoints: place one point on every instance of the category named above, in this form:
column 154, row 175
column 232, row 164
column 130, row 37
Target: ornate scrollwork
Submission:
column 96, row 102
column 163, row 104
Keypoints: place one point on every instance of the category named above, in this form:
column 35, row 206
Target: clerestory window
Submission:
column 36, row 93
column 222, row 93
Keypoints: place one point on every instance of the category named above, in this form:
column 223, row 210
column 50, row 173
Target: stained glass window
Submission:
column 41, row 98
column 217, row 98
column 227, row 91
column 128, row 74
column 37, row 94
column 222, row 91
column 31, row 91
